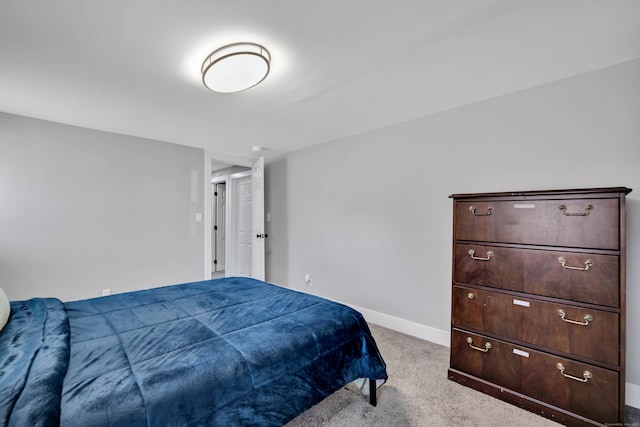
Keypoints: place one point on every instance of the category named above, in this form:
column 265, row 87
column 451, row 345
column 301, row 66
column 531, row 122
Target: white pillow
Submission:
column 5, row 309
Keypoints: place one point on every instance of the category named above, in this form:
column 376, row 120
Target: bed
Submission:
column 225, row 352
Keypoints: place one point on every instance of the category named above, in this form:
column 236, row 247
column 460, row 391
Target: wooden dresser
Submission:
column 538, row 300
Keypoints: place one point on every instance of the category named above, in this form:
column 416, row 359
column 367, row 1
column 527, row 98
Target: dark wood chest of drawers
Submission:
column 538, row 300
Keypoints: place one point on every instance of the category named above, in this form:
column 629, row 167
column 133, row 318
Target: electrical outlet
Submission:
column 106, row 292
column 307, row 278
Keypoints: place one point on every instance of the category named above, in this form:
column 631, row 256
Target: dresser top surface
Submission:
column 535, row 193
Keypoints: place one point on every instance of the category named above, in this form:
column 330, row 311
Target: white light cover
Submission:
column 235, row 67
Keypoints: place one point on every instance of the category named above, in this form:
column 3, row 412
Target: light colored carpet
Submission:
column 417, row 393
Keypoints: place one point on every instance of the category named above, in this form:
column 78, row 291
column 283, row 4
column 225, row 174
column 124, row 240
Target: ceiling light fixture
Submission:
column 236, row 67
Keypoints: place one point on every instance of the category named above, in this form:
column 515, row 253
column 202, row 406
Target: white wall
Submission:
column 369, row 216
column 83, row 210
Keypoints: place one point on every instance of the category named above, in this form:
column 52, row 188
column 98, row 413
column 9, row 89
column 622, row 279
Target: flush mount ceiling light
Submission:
column 236, row 67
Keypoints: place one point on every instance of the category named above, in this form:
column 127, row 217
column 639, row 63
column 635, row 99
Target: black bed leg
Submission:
column 373, row 401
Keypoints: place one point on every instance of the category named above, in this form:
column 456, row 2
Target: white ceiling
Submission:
column 339, row 67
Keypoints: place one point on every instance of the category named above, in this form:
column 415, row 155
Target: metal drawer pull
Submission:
column 486, row 348
column 472, row 209
column 470, row 295
column 586, row 374
column 586, row 212
column 588, row 263
column 587, row 318
column 472, row 253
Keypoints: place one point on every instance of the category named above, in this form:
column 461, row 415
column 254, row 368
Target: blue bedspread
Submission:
column 226, row 352
column 34, row 352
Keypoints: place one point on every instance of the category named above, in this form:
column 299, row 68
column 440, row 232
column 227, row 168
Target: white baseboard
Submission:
column 438, row 336
column 406, row 326
column 632, row 395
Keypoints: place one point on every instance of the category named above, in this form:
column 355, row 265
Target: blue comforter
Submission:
column 226, row 352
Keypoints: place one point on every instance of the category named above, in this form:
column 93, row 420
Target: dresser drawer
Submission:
column 576, row 331
column 580, row 223
column 584, row 277
column 581, row 388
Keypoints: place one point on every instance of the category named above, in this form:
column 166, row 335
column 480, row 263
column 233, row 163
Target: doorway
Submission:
column 219, row 228
column 237, row 222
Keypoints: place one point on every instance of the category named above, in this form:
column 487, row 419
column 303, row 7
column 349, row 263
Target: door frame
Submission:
column 209, row 158
column 208, row 206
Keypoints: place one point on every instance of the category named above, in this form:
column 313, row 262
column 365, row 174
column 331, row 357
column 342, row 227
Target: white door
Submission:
column 245, row 243
column 258, row 235
column 244, row 227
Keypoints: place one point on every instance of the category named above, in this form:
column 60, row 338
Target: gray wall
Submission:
column 369, row 216
column 83, row 210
